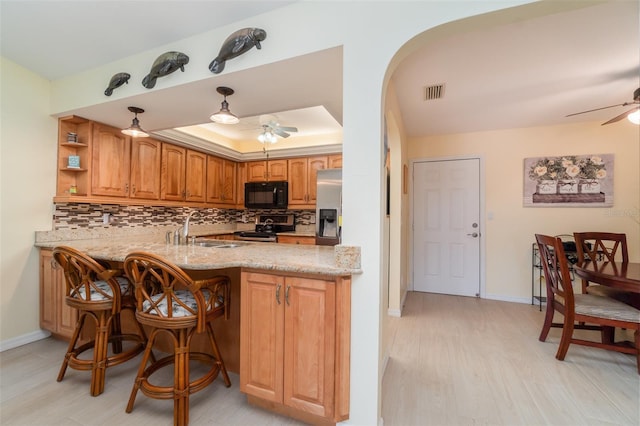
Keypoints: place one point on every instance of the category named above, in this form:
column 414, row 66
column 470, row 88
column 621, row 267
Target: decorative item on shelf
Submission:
column 73, row 162
column 135, row 130
column 116, row 81
column 224, row 116
column 164, row 65
column 73, row 189
column 72, row 137
column 235, row 45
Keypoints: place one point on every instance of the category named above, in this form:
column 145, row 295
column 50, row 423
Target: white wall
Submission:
column 509, row 235
column 27, row 184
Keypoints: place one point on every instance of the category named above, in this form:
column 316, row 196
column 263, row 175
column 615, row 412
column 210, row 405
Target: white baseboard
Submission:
column 398, row 312
column 23, row 340
column 394, row 313
column 508, row 298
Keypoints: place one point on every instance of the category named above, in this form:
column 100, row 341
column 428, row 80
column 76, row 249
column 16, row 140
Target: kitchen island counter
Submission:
column 341, row 260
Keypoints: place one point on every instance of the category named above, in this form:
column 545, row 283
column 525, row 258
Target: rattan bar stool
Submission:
column 99, row 294
column 170, row 303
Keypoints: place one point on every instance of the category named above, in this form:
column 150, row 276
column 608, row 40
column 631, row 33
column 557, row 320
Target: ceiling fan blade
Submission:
column 621, row 116
column 281, row 133
column 288, row 129
column 597, row 109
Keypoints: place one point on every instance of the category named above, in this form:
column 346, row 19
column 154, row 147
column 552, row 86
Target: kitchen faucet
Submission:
column 185, row 228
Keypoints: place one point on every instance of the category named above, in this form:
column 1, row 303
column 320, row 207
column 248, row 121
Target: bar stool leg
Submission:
column 181, row 380
column 100, row 350
column 216, row 353
column 72, row 345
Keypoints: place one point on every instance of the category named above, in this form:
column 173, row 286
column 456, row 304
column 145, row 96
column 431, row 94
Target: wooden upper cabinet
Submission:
column 335, row 161
column 315, row 164
column 196, row 176
column 221, row 180
column 146, row 155
column 110, row 164
column 303, row 178
column 277, row 170
column 173, row 172
column 241, row 179
column 271, row 170
column 298, row 181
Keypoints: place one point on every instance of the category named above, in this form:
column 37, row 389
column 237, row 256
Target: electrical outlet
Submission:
column 106, row 218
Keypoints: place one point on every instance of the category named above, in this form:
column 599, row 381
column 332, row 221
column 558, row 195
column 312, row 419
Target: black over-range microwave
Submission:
column 266, row 195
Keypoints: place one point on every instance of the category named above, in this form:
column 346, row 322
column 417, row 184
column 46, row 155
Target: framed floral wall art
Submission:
column 569, row 180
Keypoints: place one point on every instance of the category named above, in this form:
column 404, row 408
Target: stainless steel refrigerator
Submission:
column 329, row 207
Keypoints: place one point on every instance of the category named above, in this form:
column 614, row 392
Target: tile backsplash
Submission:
column 90, row 216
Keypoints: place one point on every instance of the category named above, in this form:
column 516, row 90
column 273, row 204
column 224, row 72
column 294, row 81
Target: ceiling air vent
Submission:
column 433, row 92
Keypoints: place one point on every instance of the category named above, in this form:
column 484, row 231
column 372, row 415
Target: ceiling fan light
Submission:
column 634, row 117
column 135, row 130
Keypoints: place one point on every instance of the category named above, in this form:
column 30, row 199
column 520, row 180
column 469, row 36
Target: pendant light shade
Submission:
column 224, row 116
column 634, row 117
column 135, row 130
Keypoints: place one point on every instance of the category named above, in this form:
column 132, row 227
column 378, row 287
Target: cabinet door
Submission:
column 309, row 345
column 110, row 165
column 214, row 179
column 196, row 176
column 335, row 161
column 173, row 172
column 241, row 177
column 315, row 164
column 146, row 155
column 261, row 336
column 55, row 315
column 229, row 182
column 298, row 177
column 291, row 239
column 256, row 171
column 277, row 170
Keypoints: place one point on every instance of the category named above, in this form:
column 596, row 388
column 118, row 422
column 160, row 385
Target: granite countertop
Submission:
column 325, row 260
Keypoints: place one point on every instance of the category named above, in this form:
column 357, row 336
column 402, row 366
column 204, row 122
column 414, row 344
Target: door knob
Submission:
column 474, row 235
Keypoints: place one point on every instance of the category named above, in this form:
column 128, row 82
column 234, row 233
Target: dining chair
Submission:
column 580, row 310
column 99, row 294
column 599, row 247
column 172, row 304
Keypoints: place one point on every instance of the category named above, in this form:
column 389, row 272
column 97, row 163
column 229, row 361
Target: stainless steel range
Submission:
column 267, row 227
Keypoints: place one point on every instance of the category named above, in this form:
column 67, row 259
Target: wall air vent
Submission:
column 433, row 92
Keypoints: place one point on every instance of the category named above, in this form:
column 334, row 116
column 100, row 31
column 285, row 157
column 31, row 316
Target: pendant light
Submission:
column 224, row 116
column 135, row 130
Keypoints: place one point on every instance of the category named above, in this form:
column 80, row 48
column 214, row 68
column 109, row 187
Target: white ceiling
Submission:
column 525, row 74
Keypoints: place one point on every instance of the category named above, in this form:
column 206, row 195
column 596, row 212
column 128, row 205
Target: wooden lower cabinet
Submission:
column 291, row 239
column 294, row 345
column 55, row 316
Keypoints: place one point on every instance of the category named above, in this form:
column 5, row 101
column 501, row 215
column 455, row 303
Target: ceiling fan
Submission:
column 636, row 109
column 270, row 124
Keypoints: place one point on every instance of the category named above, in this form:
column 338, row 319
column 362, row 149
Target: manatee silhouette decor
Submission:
column 116, row 81
column 235, row 45
column 164, row 65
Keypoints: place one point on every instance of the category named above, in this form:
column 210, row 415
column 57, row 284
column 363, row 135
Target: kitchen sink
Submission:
column 218, row 244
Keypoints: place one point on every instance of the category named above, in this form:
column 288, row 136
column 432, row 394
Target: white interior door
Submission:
column 446, row 229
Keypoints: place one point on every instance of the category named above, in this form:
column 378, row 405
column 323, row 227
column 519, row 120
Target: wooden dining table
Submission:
column 622, row 275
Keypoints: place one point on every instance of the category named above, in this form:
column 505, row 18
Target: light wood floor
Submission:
column 454, row 361
column 466, row 361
